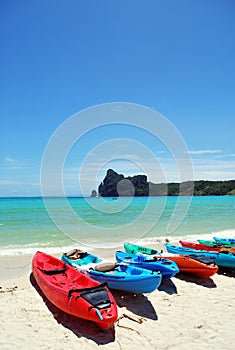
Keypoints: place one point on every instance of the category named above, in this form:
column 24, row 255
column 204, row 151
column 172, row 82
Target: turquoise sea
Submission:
column 56, row 224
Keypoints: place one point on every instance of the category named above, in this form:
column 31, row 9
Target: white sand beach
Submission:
column 185, row 313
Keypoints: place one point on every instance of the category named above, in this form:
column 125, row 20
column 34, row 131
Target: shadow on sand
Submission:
column 205, row 282
column 80, row 327
column 167, row 286
column 138, row 304
column 226, row 272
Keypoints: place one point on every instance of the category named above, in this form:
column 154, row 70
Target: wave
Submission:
column 31, row 249
column 228, row 233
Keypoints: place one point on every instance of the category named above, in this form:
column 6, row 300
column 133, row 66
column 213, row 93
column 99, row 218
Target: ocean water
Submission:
column 58, row 224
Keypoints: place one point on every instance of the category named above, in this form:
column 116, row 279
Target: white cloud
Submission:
column 13, row 182
column 9, row 160
column 9, row 163
column 88, row 175
column 205, row 151
column 10, row 182
column 226, row 155
column 77, row 180
column 214, row 169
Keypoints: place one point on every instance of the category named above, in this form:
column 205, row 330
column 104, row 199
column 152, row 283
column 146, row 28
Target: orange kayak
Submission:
column 73, row 291
column 200, row 267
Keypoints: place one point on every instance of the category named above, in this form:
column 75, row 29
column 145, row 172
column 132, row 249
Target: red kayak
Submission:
column 200, row 246
column 73, row 291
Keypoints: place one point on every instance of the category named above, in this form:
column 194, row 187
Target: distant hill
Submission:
column 115, row 185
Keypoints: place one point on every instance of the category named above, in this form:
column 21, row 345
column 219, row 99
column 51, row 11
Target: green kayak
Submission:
column 216, row 244
column 134, row 249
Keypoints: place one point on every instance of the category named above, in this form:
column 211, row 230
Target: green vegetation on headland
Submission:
column 115, row 185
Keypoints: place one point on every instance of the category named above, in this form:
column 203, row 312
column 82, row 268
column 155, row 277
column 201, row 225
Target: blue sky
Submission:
column 59, row 57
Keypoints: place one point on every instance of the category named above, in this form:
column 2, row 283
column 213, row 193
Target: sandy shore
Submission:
column 185, row 313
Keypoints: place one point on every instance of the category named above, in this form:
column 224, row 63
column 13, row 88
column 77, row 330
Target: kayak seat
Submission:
column 135, row 271
column 106, row 267
column 96, row 296
column 76, row 254
column 203, row 259
column 167, row 262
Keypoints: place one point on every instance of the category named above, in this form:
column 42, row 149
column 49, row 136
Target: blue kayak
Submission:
column 118, row 276
column 167, row 267
column 222, row 259
column 77, row 257
column 224, row 240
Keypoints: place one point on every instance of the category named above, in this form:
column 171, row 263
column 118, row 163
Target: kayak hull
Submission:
column 60, row 288
column 122, row 277
column 168, row 268
column 222, row 259
column 185, row 264
column 130, row 279
column 213, row 243
column 201, row 246
column 136, row 249
column 225, row 240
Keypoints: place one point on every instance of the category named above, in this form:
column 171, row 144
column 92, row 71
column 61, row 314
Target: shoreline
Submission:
column 156, row 242
column 185, row 312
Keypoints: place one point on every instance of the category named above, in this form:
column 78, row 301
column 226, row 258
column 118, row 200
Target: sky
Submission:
column 61, row 57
